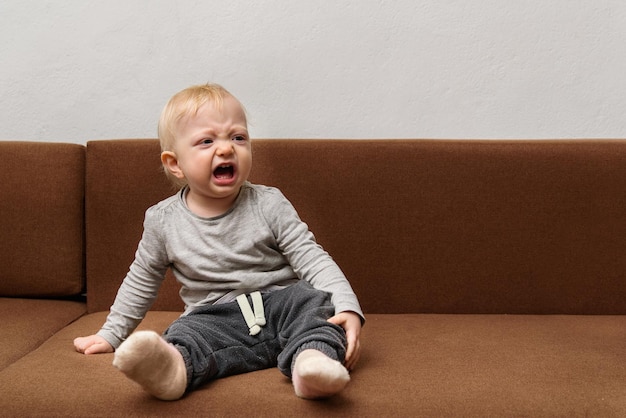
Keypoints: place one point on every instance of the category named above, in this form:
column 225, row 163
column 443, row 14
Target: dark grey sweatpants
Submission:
column 215, row 341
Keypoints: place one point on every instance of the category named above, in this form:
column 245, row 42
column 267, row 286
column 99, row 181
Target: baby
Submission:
column 259, row 291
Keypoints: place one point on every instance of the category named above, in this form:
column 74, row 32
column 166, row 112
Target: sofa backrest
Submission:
column 423, row 226
column 124, row 178
column 41, row 219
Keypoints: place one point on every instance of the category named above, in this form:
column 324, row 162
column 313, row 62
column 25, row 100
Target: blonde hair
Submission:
column 183, row 104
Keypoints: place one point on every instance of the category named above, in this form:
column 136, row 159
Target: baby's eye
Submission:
column 239, row 138
column 207, row 141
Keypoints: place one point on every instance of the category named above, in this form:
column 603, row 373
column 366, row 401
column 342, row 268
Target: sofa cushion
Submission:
column 26, row 323
column 467, row 226
column 41, row 219
column 123, row 179
column 421, row 226
column 411, row 365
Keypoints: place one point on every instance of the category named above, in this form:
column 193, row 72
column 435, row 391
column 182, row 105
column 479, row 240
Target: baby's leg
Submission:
column 315, row 375
column 157, row 366
column 314, row 348
column 215, row 342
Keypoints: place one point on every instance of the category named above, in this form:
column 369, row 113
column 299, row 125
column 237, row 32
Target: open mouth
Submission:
column 224, row 172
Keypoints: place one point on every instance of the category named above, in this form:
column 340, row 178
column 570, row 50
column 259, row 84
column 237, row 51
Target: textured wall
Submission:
column 75, row 70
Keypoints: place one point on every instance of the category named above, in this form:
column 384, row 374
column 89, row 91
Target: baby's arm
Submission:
column 93, row 344
column 351, row 323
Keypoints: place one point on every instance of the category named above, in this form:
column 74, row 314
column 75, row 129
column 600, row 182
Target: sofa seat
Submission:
column 26, row 323
column 411, row 365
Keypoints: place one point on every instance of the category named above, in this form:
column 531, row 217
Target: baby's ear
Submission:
column 170, row 162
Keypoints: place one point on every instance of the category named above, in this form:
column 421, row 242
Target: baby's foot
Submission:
column 316, row 375
column 156, row 365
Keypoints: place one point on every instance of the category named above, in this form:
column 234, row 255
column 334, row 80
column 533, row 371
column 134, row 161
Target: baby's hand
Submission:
column 351, row 323
column 93, row 344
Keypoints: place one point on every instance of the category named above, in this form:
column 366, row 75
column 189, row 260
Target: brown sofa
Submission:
column 492, row 274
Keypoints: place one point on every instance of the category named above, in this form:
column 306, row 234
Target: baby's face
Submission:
column 214, row 153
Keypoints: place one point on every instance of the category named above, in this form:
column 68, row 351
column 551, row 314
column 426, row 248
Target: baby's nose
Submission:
column 225, row 148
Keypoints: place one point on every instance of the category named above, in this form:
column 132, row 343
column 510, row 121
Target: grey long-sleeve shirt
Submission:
column 259, row 244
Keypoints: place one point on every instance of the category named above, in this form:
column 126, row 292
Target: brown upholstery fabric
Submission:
column 531, row 227
column 424, row 226
column 124, row 178
column 440, row 239
column 26, row 323
column 41, row 219
column 412, row 365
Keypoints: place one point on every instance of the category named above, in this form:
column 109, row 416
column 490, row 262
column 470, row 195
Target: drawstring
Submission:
column 254, row 320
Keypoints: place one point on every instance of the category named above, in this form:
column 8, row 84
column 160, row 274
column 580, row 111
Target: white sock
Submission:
column 156, row 365
column 315, row 375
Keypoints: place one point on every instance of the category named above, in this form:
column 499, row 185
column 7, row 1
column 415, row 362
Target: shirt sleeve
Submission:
column 140, row 286
column 307, row 258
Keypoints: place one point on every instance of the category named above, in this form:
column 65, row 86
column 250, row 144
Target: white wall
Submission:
column 75, row 70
